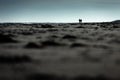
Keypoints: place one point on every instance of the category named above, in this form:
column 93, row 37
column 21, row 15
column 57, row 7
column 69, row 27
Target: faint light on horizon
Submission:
column 59, row 17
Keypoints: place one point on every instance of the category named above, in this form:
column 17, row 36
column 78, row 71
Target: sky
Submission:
column 59, row 10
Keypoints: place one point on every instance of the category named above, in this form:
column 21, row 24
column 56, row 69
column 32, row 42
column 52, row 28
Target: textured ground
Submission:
column 60, row 51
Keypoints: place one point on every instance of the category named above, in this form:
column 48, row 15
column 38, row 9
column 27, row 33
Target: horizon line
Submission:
column 55, row 22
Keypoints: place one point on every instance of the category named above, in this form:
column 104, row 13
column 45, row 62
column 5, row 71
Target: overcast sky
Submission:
column 59, row 10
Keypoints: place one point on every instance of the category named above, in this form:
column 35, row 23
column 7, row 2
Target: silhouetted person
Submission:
column 80, row 20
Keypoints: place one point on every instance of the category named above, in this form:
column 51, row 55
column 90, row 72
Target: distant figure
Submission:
column 80, row 20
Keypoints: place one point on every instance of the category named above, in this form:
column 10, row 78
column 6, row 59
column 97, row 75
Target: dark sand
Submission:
column 88, row 51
